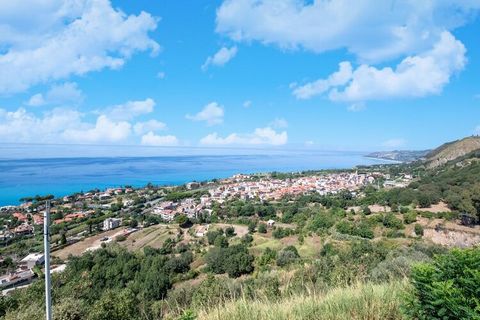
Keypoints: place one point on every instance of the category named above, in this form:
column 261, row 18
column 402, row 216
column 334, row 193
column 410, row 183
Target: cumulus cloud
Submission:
column 52, row 40
column 247, row 104
column 59, row 94
column 161, row 75
column 220, row 58
column 394, row 143
column 104, row 130
column 371, row 30
column 150, row 125
column 70, row 126
column 338, row 78
column 261, row 136
column 415, row 76
column 130, row 109
column 477, row 131
column 212, row 114
column 23, row 126
column 151, row 139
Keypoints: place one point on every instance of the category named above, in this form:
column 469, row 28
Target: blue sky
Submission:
column 240, row 73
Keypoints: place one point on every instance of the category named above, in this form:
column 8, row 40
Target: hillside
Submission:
column 451, row 151
column 400, row 155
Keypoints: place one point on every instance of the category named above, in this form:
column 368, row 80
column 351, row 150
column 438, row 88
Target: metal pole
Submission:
column 46, row 242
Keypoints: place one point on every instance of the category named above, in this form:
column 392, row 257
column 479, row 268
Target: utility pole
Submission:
column 46, row 242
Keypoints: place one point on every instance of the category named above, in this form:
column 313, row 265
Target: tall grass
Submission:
column 360, row 302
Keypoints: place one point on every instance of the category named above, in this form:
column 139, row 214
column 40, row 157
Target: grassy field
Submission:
column 153, row 236
column 362, row 302
column 92, row 242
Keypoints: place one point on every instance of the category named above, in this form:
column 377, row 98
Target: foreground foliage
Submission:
column 363, row 301
column 447, row 288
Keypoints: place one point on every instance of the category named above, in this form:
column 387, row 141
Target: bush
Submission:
column 221, row 242
column 234, row 260
column 410, row 217
column 447, row 288
column 287, row 256
column 230, row 232
column 390, row 221
column 419, row 230
column 280, row 233
column 262, row 228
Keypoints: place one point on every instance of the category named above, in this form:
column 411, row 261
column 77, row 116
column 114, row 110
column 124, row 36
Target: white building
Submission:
column 33, row 259
column 111, row 223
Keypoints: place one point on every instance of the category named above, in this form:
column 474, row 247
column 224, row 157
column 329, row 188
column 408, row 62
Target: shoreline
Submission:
column 75, row 177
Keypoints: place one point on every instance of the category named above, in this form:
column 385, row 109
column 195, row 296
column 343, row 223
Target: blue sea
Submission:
column 29, row 176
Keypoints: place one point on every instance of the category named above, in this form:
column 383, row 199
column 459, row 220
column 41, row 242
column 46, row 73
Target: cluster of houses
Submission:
column 245, row 188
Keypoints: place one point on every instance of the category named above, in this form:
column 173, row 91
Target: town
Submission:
column 78, row 216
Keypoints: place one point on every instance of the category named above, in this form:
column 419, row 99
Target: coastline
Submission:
column 60, row 177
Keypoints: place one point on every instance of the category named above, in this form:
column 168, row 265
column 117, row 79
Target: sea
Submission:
column 33, row 170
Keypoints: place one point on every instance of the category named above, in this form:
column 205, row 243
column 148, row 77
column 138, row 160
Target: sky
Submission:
column 327, row 75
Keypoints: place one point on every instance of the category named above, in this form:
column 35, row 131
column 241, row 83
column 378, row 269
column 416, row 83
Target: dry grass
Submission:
column 362, row 302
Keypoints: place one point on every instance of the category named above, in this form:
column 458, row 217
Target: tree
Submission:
column 262, row 228
column 221, row 242
column 447, row 288
column 230, row 231
column 251, row 226
column 115, row 305
column 183, row 221
column 287, row 256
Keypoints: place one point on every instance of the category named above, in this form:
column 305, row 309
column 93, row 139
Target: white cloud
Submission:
column 212, row 114
column 279, row 123
column 130, row 109
column 151, row 139
column 150, row 125
column 341, row 77
column 22, row 126
column 36, row 100
column 309, row 143
column 247, row 104
column 63, row 125
column 161, row 75
column 66, row 93
column 415, row 76
column 394, row 143
column 220, row 58
column 477, row 131
column 371, row 30
column 52, row 40
column 104, row 130
column 261, row 136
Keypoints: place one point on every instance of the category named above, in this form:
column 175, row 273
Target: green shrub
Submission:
column 410, row 217
column 448, row 288
column 419, row 230
column 262, row 228
column 391, row 221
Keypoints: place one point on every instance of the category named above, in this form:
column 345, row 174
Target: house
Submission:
column 20, row 216
column 111, row 223
column 37, row 219
column 270, row 223
column 23, row 229
column 201, row 231
column 32, row 260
